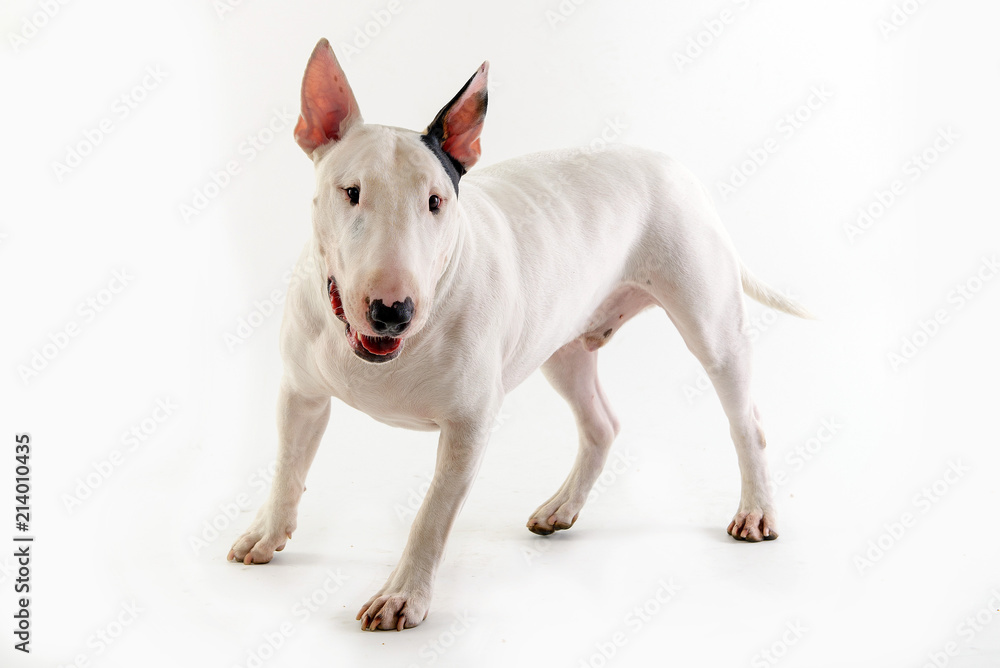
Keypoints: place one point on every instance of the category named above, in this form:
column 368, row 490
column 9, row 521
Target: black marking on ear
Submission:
column 435, row 135
column 453, row 168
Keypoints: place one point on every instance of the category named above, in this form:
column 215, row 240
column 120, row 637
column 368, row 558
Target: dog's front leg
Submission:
column 404, row 599
column 301, row 423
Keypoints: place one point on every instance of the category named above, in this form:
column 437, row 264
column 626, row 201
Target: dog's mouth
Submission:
column 369, row 348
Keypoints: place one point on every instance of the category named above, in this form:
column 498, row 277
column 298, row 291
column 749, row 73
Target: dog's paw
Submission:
column 397, row 610
column 753, row 525
column 556, row 514
column 258, row 544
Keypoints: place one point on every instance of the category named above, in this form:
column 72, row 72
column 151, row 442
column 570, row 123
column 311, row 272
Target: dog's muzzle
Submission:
column 372, row 348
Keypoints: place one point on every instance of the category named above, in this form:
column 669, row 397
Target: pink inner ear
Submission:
column 328, row 104
column 464, row 121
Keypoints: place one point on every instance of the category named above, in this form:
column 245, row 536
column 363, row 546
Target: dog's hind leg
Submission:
column 572, row 371
column 708, row 309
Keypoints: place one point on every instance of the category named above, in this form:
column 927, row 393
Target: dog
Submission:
column 428, row 295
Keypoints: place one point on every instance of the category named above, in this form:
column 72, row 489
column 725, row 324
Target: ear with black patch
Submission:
column 328, row 105
column 454, row 134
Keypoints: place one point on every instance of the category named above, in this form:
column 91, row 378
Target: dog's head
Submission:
column 384, row 212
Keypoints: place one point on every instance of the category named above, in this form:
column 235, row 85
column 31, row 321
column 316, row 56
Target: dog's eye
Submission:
column 434, row 203
column 353, row 194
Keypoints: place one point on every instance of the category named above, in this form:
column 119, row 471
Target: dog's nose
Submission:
column 390, row 320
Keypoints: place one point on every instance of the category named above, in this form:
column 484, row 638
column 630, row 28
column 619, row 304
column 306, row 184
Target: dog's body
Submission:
column 571, row 270
column 538, row 263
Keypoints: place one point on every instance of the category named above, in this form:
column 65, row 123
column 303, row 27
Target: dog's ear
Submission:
column 328, row 105
column 457, row 127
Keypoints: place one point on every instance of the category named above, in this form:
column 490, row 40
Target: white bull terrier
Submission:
column 423, row 304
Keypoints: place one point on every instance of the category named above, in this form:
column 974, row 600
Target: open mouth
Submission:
column 369, row 348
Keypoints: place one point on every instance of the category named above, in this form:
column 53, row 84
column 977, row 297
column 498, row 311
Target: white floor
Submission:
column 647, row 573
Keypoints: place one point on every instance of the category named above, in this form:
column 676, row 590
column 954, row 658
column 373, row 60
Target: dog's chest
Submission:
column 394, row 396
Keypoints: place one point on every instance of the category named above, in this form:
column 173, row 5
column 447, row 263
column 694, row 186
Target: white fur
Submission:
column 529, row 266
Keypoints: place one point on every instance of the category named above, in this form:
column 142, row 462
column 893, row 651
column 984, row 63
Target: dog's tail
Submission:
column 770, row 297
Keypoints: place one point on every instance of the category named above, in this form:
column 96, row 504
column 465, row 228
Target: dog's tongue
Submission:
column 379, row 345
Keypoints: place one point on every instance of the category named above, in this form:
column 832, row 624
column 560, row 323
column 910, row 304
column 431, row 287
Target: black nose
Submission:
column 390, row 320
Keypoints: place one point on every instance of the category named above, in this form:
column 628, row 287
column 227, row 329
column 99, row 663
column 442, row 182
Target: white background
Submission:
column 560, row 76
